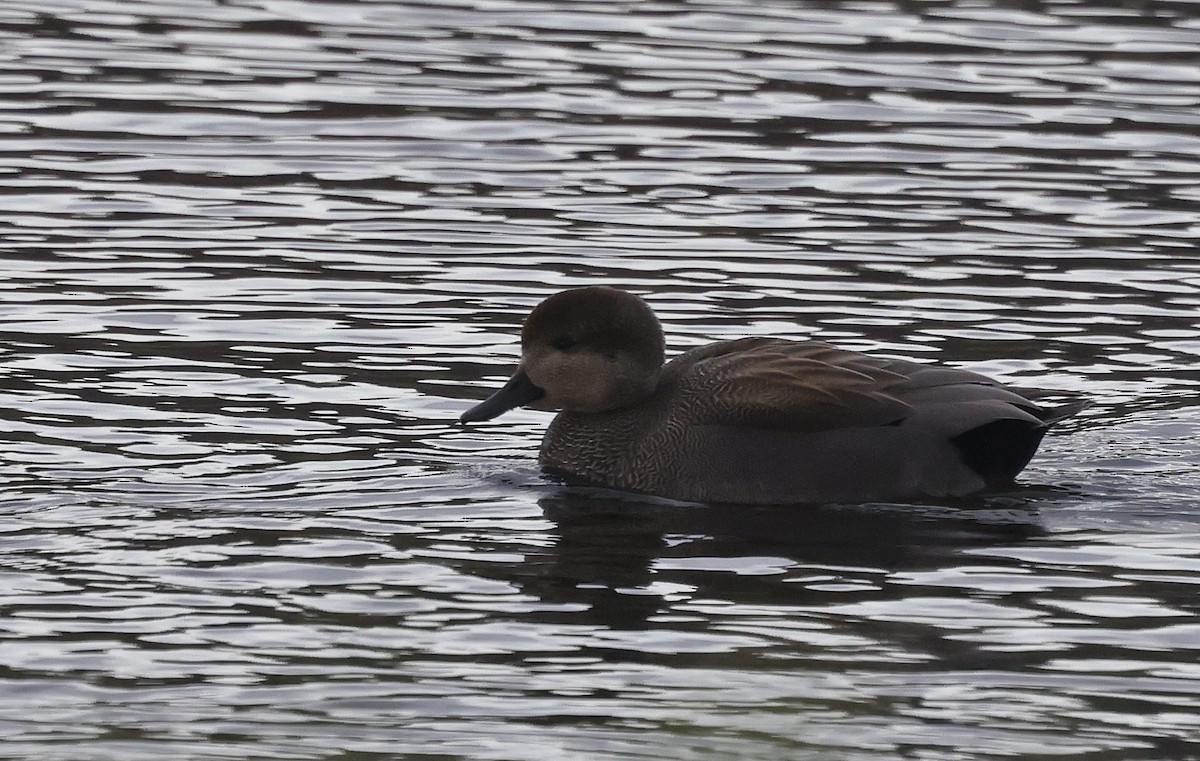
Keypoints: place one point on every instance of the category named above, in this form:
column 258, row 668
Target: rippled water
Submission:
column 258, row 256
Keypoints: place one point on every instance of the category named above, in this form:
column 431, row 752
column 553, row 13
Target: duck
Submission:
column 758, row 420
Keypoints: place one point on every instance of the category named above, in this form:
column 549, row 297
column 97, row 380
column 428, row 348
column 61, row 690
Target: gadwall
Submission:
column 757, row 420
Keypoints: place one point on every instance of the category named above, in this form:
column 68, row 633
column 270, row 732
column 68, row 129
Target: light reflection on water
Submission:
column 258, row 259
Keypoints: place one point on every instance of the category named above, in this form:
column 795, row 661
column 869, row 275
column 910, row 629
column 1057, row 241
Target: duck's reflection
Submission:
column 625, row 560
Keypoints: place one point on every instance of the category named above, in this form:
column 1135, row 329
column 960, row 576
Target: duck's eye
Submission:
column 563, row 343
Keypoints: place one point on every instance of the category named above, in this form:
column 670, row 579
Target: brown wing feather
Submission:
column 773, row 383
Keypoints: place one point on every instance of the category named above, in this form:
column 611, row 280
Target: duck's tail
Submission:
column 1054, row 406
column 1064, row 406
column 1052, row 415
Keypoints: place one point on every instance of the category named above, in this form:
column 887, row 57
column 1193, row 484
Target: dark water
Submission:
column 258, row 256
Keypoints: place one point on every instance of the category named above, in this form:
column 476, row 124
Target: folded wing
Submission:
column 811, row 386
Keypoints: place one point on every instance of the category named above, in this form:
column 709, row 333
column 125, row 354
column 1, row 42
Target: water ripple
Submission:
column 257, row 259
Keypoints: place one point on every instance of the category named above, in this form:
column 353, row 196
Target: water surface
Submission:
column 258, row 257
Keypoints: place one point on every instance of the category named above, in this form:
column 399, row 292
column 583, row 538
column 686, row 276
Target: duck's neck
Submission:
column 599, row 447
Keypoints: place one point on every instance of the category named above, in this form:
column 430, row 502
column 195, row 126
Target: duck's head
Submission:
column 587, row 350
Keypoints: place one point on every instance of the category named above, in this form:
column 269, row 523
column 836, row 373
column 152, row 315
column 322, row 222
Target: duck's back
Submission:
column 773, row 421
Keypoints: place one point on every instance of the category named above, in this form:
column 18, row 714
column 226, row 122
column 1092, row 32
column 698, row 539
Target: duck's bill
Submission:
column 518, row 391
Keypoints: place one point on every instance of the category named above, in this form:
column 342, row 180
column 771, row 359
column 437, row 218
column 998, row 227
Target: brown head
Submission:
column 593, row 349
